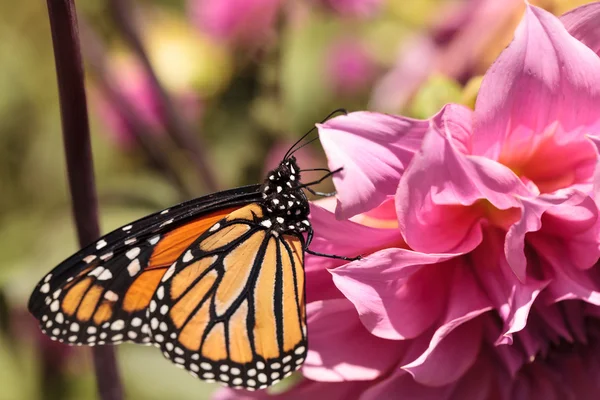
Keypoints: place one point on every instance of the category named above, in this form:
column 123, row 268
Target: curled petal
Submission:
column 306, row 389
column 335, row 335
column 454, row 346
column 339, row 238
column 447, row 360
column 582, row 23
column 545, row 75
column 437, row 195
column 566, row 213
column 512, row 299
column 569, row 282
column 394, row 294
column 373, row 149
column 401, row 382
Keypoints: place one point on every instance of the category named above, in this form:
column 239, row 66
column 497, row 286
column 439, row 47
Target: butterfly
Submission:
column 217, row 283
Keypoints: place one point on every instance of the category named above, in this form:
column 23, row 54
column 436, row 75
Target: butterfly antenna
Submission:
column 291, row 150
column 304, row 145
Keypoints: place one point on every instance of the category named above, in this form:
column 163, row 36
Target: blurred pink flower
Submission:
column 350, row 67
column 480, row 232
column 454, row 48
column 134, row 86
column 353, row 8
column 237, row 22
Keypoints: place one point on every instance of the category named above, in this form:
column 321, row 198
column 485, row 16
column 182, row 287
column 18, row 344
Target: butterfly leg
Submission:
column 336, row 257
column 322, row 194
column 309, row 238
column 321, row 179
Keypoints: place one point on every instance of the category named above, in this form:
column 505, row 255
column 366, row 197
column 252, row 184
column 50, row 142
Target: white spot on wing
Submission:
column 106, row 275
column 111, row 296
column 153, row 240
column 166, row 222
column 169, row 272
column 133, row 253
column 187, row 257
column 134, row 267
column 100, row 244
column 117, row 325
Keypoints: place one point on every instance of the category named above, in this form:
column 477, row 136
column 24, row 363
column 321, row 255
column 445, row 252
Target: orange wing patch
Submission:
column 73, row 296
column 248, row 213
column 103, row 313
column 224, row 237
column 186, row 277
column 239, row 343
column 184, row 306
column 238, row 266
column 292, row 333
column 214, row 347
column 265, row 327
column 298, row 258
column 191, row 334
column 89, row 302
column 140, row 292
column 174, row 243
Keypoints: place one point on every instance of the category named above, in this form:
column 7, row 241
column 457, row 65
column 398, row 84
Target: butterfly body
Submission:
column 216, row 283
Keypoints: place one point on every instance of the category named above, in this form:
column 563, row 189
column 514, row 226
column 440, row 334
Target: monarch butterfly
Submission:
column 217, row 283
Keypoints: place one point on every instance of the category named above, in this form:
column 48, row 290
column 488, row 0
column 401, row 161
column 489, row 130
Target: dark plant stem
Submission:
column 177, row 128
column 78, row 151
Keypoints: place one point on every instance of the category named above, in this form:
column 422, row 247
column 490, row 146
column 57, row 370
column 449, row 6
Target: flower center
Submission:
column 552, row 160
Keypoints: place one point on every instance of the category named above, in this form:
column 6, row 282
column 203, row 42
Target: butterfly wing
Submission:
column 231, row 308
column 101, row 294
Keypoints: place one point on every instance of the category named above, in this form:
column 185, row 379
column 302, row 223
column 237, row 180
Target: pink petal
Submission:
column 455, row 344
column 573, row 226
column 396, row 294
column 582, row 23
column 373, row 149
column 569, row 282
column 400, row 383
column 306, row 389
column 544, row 76
column 568, row 211
column 335, row 335
column 339, row 238
column 512, row 299
column 447, row 360
column 596, row 179
column 484, row 381
column 437, row 194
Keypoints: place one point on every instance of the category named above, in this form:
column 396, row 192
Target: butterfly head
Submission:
column 285, row 203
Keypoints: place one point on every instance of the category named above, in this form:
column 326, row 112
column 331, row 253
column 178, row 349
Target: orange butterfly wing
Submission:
column 231, row 309
column 106, row 301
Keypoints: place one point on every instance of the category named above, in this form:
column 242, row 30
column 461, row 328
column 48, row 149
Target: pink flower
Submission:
column 237, row 22
column 480, row 235
column 133, row 86
column 455, row 47
column 350, row 67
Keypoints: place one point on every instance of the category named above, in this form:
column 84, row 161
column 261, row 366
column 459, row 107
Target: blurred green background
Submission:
column 248, row 77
